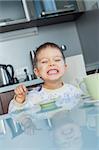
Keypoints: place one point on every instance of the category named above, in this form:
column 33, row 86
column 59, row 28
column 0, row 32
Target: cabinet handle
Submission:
column 26, row 10
column 61, row 11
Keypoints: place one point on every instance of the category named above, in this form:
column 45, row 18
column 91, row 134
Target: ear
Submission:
column 36, row 71
column 65, row 66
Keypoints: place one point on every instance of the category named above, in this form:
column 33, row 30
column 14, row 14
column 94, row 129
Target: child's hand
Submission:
column 20, row 93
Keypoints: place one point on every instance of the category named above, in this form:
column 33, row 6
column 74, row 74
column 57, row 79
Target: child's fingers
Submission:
column 20, row 90
column 24, row 88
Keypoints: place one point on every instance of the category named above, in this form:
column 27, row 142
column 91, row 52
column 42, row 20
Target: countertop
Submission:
column 27, row 83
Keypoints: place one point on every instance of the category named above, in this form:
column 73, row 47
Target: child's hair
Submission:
column 43, row 46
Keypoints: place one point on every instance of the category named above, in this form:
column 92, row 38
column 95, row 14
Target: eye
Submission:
column 57, row 59
column 44, row 61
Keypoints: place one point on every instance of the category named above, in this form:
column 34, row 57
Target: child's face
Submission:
column 50, row 64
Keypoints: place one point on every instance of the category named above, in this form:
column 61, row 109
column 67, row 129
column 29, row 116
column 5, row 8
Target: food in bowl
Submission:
column 48, row 105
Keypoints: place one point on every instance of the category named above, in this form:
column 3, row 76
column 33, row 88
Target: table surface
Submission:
column 54, row 129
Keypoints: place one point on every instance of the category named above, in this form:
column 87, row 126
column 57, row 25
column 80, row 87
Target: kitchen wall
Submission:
column 88, row 30
column 16, row 50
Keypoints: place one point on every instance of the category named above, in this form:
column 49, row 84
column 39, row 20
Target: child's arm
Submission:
column 24, row 98
column 20, row 94
column 18, row 102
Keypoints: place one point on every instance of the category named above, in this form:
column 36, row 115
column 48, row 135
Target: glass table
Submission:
column 53, row 129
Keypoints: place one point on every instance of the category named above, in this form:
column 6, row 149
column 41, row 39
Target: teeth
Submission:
column 54, row 71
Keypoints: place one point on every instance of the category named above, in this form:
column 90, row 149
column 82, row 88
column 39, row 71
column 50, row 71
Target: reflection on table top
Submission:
column 59, row 129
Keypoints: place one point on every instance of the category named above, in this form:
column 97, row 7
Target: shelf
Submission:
column 44, row 21
column 27, row 84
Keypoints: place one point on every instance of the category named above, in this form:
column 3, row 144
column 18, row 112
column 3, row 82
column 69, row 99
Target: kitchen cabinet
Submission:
column 24, row 14
column 1, row 109
column 14, row 13
column 11, row 12
column 91, row 5
column 87, row 27
column 71, row 16
column 5, row 99
column 48, row 8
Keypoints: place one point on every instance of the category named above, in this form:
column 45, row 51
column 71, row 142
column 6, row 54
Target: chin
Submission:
column 55, row 78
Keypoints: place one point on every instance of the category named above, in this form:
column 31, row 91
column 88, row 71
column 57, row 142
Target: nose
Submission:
column 51, row 63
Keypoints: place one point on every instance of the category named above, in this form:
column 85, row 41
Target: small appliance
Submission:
column 32, row 55
column 6, row 75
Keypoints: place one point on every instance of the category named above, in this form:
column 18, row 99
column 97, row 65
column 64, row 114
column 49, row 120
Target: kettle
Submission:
column 6, row 74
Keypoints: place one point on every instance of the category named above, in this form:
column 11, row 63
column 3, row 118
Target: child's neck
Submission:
column 53, row 85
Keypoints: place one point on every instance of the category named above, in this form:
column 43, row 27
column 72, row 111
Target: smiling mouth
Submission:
column 52, row 72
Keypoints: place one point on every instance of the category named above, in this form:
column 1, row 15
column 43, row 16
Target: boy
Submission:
column 50, row 66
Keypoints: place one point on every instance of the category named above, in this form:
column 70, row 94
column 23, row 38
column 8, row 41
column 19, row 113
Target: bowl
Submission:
column 48, row 105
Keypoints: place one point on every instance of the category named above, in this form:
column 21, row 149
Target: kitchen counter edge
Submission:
column 27, row 83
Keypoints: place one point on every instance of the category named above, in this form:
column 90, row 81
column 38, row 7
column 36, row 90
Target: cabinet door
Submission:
column 13, row 11
column 91, row 5
column 1, row 109
column 53, row 7
column 5, row 99
column 22, row 14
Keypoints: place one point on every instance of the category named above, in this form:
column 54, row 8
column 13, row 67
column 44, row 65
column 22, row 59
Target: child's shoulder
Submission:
column 67, row 85
column 73, row 89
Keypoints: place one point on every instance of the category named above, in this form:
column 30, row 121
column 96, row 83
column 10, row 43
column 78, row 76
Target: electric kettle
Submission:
column 6, row 74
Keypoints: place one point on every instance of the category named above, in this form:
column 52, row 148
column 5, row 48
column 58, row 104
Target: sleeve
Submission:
column 32, row 98
column 13, row 106
column 74, row 96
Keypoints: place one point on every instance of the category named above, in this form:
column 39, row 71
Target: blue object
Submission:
column 15, row 127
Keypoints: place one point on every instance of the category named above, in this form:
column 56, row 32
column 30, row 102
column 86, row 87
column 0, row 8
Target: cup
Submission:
column 15, row 128
column 2, row 127
column 92, row 85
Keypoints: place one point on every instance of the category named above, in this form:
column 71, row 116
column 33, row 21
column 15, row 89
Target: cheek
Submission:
column 42, row 69
column 62, row 67
column 62, row 70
